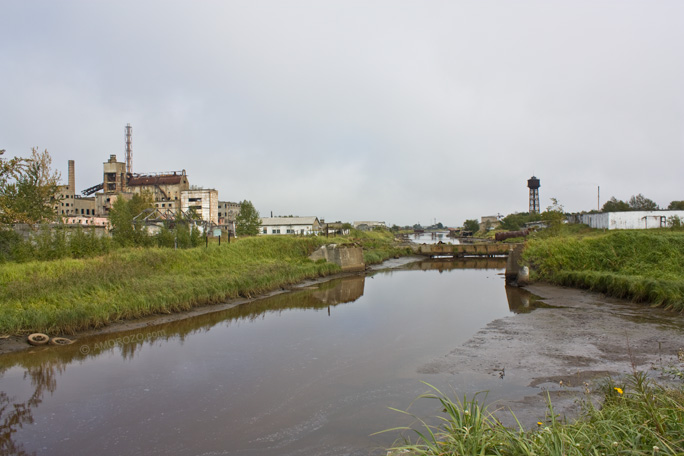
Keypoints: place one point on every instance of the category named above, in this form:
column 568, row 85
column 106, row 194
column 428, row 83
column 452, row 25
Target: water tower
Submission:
column 533, row 184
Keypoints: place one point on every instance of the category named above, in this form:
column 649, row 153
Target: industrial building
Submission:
column 170, row 191
column 70, row 204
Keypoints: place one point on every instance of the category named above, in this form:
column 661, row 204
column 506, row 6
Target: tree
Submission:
column 615, row 205
column 676, row 206
column 125, row 230
column 514, row 222
column 248, row 220
column 554, row 215
column 28, row 189
column 471, row 225
column 641, row 203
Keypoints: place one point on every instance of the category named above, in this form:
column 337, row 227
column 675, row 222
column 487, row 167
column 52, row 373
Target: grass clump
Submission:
column 639, row 418
column 644, row 266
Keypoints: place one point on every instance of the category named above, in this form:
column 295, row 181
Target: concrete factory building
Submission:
column 204, row 202
column 70, row 204
column 170, row 192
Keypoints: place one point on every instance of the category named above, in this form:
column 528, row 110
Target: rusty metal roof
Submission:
column 168, row 179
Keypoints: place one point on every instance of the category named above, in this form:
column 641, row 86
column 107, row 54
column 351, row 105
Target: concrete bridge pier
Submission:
column 515, row 273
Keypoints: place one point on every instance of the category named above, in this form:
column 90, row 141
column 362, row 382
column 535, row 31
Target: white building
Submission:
column 290, row 225
column 632, row 220
column 203, row 201
column 368, row 225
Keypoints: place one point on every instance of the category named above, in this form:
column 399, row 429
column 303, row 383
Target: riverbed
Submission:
column 315, row 371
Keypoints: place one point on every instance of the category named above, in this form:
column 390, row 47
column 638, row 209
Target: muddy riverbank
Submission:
column 564, row 346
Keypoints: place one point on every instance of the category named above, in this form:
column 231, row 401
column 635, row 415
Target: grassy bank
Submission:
column 67, row 295
column 636, row 418
column 644, row 266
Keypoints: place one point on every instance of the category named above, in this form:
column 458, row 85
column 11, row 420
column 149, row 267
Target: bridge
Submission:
column 511, row 252
column 463, row 250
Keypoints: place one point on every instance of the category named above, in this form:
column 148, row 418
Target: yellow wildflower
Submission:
column 619, row 390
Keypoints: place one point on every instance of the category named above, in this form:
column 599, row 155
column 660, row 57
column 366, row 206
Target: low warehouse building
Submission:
column 632, row 220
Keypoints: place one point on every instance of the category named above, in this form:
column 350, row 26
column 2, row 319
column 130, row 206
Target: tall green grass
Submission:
column 644, row 266
column 67, row 295
column 639, row 418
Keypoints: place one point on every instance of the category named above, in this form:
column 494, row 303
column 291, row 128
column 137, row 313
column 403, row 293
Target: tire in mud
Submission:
column 61, row 341
column 38, row 339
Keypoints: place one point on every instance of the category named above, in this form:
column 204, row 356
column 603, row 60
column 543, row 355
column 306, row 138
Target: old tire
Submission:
column 60, row 341
column 38, row 339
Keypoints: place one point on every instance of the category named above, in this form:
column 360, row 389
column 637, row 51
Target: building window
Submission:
column 290, row 231
column 265, row 229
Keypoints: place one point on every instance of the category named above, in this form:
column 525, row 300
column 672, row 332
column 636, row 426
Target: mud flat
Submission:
column 565, row 345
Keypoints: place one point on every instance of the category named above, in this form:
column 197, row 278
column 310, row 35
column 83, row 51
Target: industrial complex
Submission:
column 171, row 193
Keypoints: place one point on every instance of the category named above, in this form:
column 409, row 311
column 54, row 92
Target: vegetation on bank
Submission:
column 637, row 417
column 641, row 265
column 67, row 294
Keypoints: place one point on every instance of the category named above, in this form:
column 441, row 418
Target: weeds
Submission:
column 636, row 418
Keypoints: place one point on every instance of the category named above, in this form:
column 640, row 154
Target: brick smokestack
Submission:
column 72, row 176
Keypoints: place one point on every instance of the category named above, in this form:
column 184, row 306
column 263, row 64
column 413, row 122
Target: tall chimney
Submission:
column 72, row 176
column 129, row 150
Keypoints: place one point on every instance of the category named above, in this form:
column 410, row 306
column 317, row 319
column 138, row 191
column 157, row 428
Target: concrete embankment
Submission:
column 348, row 258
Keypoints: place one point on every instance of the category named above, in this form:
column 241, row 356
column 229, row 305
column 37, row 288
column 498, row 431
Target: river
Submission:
column 309, row 372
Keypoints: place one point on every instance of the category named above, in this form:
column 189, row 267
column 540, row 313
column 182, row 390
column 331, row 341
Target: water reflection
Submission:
column 434, row 238
column 42, row 365
column 457, row 263
column 14, row 414
column 522, row 301
column 274, row 376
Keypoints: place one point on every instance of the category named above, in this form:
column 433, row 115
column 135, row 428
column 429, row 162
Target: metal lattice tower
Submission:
column 533, row 184
column 129, row 150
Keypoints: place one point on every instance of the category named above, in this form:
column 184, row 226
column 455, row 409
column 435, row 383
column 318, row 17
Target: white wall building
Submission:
column 203, row 201
column 368, row 225
column 632, row 220
column 290, row 225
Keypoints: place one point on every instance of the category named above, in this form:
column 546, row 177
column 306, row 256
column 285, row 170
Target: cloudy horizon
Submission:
column 399, row 111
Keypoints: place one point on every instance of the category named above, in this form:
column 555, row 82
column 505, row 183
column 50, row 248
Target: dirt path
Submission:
column 579, row 337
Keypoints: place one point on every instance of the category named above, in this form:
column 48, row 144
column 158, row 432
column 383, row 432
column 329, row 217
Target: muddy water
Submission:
column 311, row 372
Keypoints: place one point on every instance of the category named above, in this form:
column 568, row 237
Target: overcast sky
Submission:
column 399, row 111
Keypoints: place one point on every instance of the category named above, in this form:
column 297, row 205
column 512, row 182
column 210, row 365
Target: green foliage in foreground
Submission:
column 641, row 418
column 645, row 266
column 67, row 295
